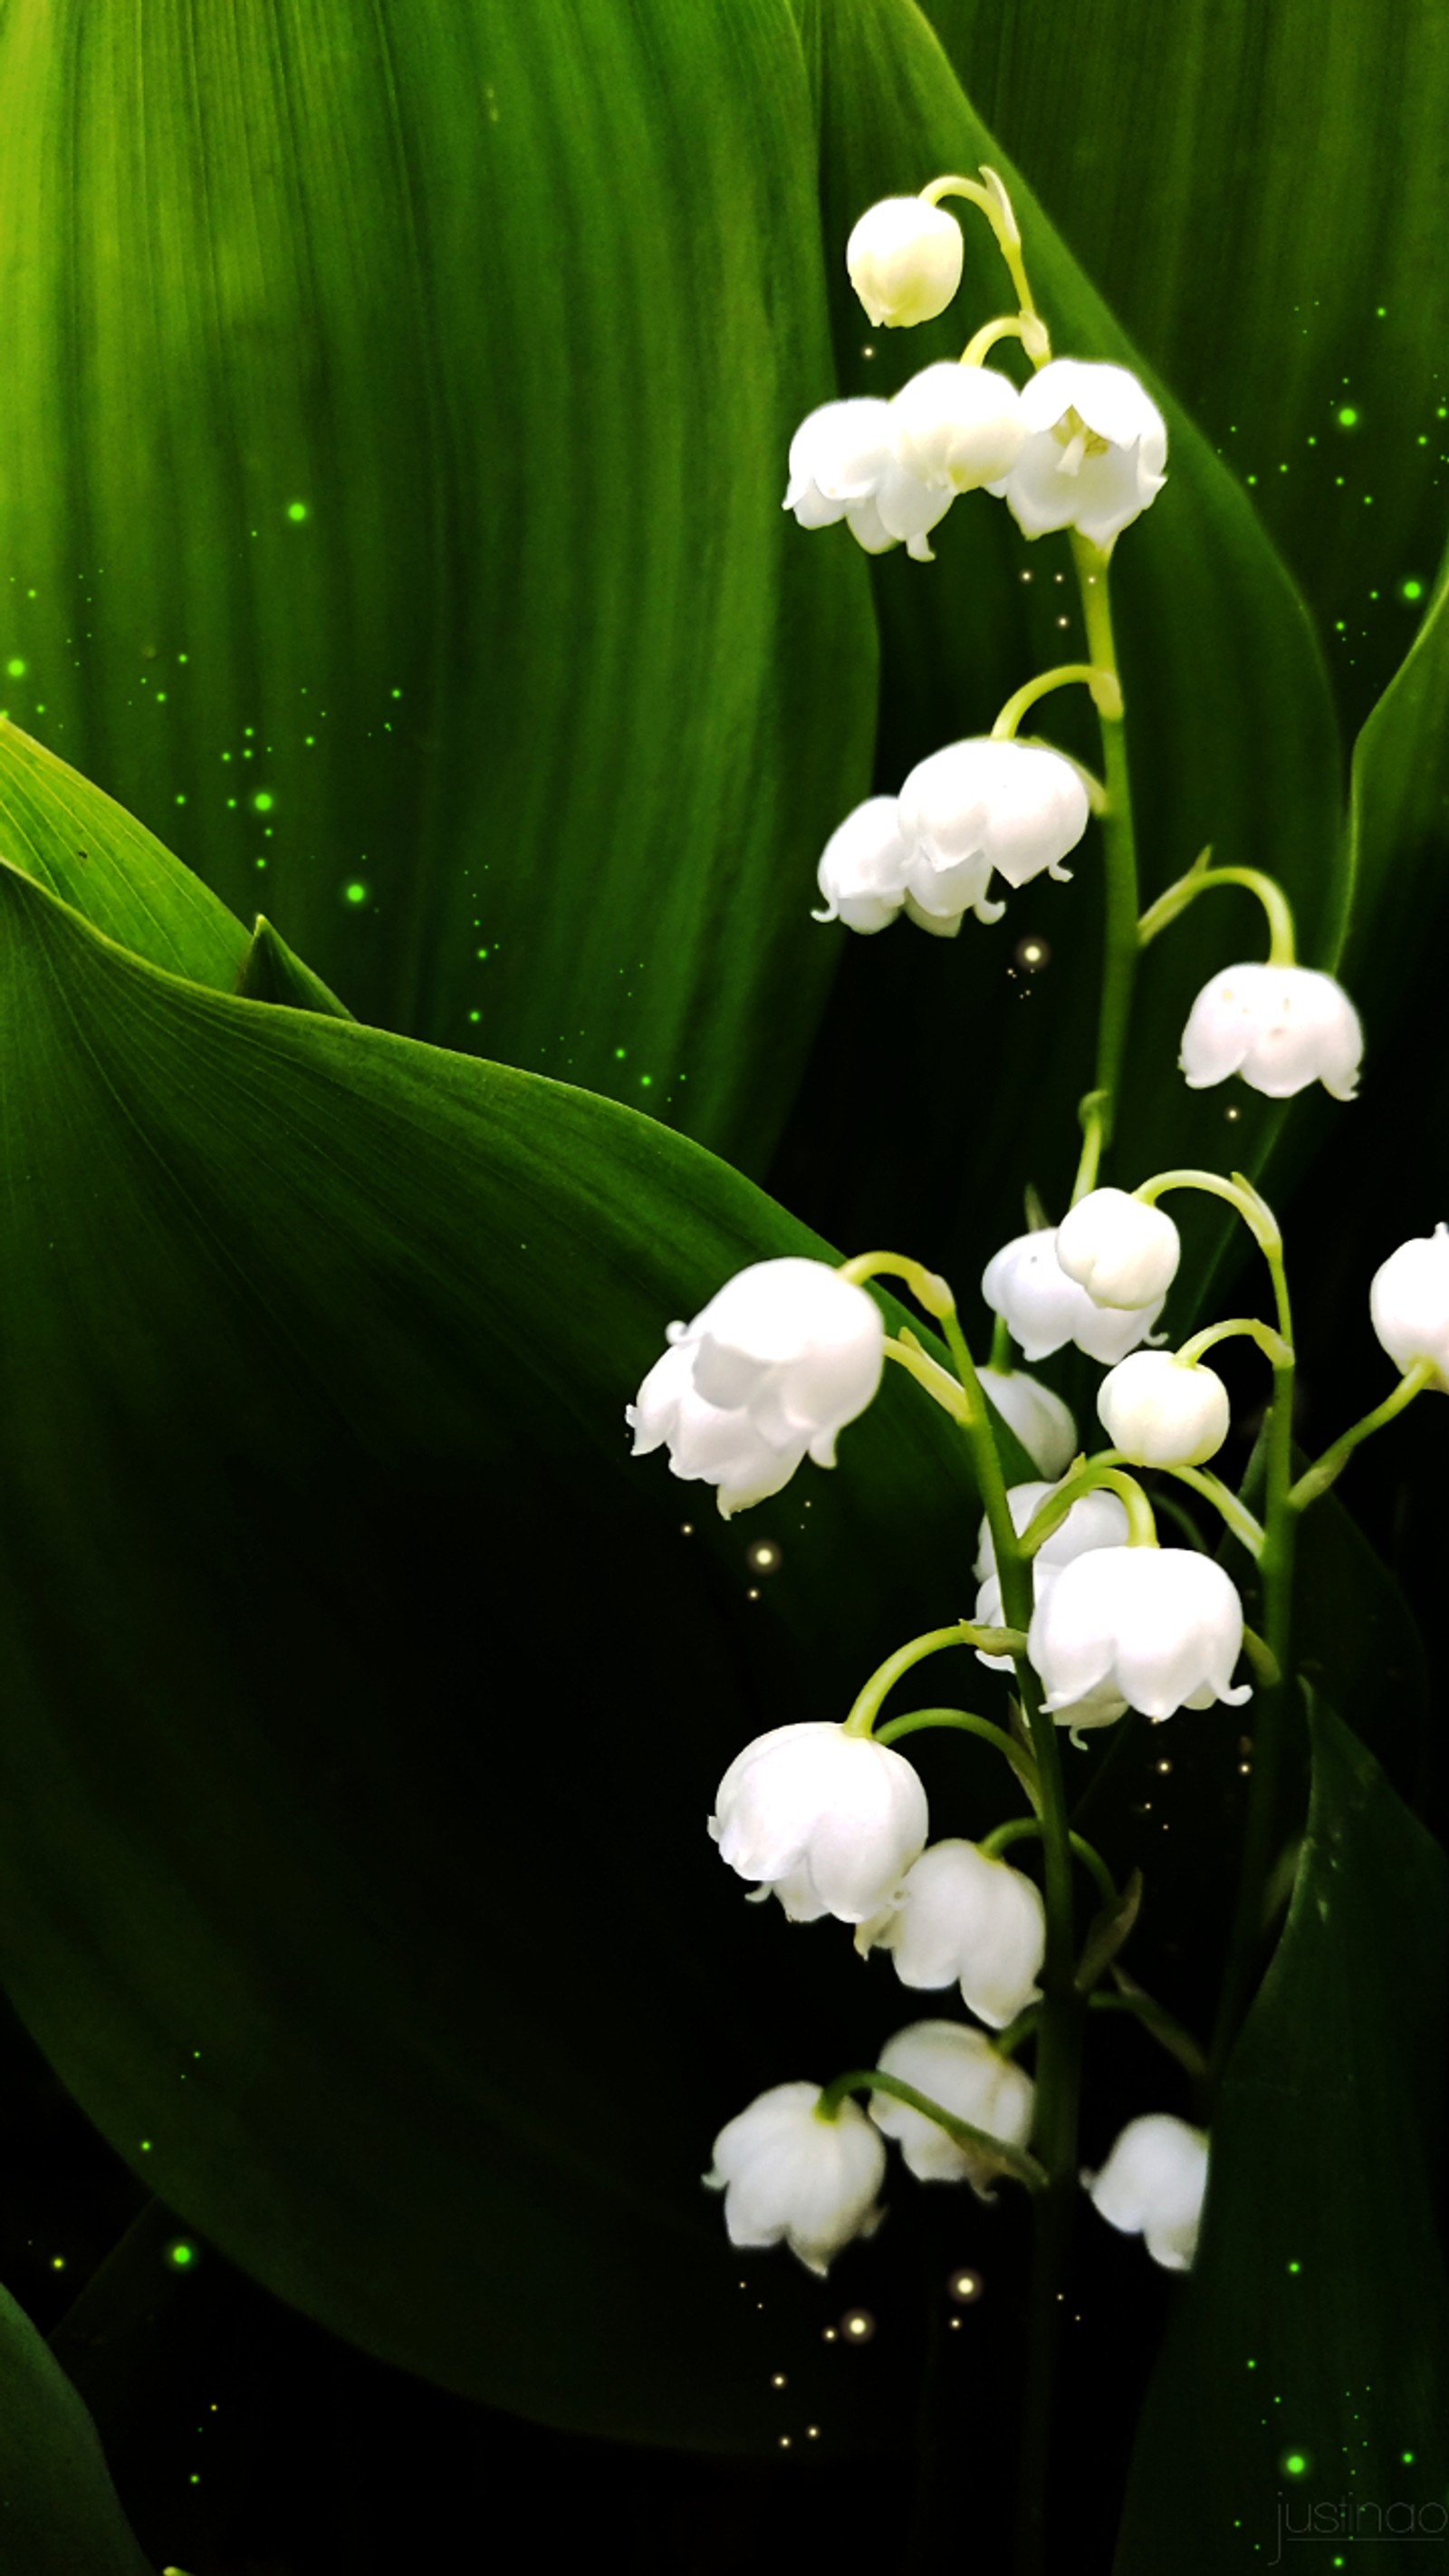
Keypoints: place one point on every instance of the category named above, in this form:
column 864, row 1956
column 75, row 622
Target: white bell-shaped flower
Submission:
column 1097, row 1519
column 781, row 1358
column 862, row 871
column 958, row 427
column 1094, row 454
column 1279, row 1027
column 1042, row 1423
column 959, row 2068
column 982, row 805
column 1162, row 1626
column 904, row 258
column 786, row 2172
column 1409, row 1304
column 1153, row 2184
column 1043, row 1309
column 843, row 465
column 1161, row 1411
column 835, row 1820
column 1121, row 1251
column 964, row 1917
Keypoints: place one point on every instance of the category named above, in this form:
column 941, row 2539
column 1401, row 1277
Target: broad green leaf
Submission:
column 396, row 406
column 59, row 829
column 1216, row 647
column 365, row 1699
column 1256, row 192
column 271, row 973
column 58, row 2510
column 1399, row 830
column 1308, row 2365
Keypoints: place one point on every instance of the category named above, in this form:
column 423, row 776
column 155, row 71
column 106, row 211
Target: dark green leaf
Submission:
column 365, row 1701
column 1308, row 2366
column 397, row 407
column 58, row 2510
column 271, row 973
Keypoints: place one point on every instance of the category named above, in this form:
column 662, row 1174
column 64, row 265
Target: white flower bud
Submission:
column 1161, row 1411
column 1409, row 1304
column 965, row 1917
column 959, row 2068
column 979, row 805
column 1163, row 1626
column 957, row 426
column 1121, row 1251
column 1042, row 1423
column 905, row 258
column 1026, row 1285
column 785, row 2172
column 782, row 1357
column 835, row 1820
column 1095, row 448
column 862, row 871
column 1153, row 2184
column 843, row 465
column 1279, row 1027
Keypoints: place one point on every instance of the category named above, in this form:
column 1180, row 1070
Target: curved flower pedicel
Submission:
column 829, row 1820
column 843, row 465
column 1278, row 1027
column 787, row 2173
column 1094, row 454
column 1163, row 1626
column 960, row 2069
column 1153, row 2184
column 1024, row 1283
column 964, row 1917
column 768, row 1373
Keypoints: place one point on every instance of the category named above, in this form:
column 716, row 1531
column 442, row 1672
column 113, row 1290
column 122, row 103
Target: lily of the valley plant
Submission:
column 1086, row 1610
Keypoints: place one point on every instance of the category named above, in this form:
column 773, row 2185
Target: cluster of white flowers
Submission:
column 980, row 807
column 1082, row 446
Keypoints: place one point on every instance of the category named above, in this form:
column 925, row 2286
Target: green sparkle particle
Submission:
column 263, row 801
column 15, row 668
column 1346, row 416
column 296, row 509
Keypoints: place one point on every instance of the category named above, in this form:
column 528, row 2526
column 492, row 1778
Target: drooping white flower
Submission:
column 1409, row 1304
column 843, row 465
column 1121, row 1251
column 904, row 258
column 1279, row 1027
column 785, row 2172
column 781, row 1358
column 1026, row 1285
column 1163, row 1626
column 958, row 428
column 835, row 1820
column 982, row 805
column 1042, row 1423
column 959, row 2068
column 1094, row 454
column 964, row 1917
column 862, row 871
column 1153, row 2184
column 1161, row 1411
column 1097, row 1519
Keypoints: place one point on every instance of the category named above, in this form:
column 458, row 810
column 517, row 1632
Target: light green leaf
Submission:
column 365, row 1699
column 1309, row 2361
column 397, row 404
column 58, row 2508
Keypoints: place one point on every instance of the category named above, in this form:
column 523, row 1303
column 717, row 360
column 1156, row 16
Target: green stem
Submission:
column 1201, row 878
column 1119, row 849
column 868, row 1701
column 1001, row 1358
column 1235, row 1514
column 1316, row 1479
column 965, row 1723
column 1275, row 1567
column 1164, row 2026
column 1012, row 2160
column 1097, row 1474
column 1269, row 1342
